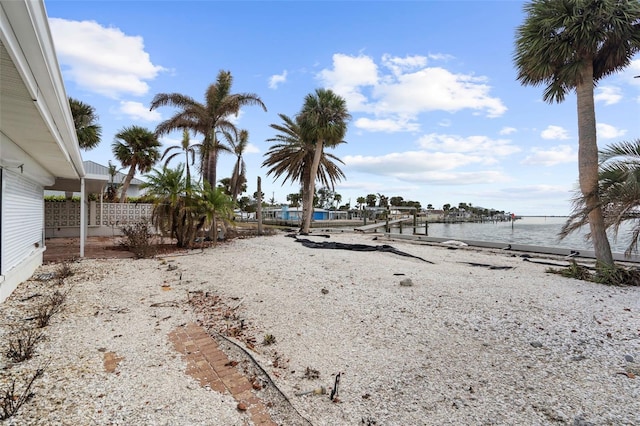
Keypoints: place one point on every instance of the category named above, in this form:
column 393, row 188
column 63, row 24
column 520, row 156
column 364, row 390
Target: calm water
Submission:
column 536, row 231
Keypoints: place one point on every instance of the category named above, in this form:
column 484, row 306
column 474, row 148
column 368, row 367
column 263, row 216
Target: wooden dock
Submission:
column 374, row 226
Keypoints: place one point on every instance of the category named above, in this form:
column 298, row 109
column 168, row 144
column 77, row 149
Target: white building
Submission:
column 38, row 144
column 97, row 180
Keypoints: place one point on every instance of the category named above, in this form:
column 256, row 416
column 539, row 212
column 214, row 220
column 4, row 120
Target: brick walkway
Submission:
column 208, row 364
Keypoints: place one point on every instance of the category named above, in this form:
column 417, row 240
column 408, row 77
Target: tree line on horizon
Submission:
column 565, row 46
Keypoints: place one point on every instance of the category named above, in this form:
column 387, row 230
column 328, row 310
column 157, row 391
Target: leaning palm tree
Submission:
column 291, row 157
column 207, row 119
column 189, row 152
column 85, row 120
column 619, row 183
column 137, row 148
column 571, row 45
column 323, row 121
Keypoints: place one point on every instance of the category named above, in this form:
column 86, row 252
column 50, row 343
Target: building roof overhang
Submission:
column 34, row 107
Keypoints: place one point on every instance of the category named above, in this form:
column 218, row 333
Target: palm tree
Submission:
column 291, row 157
column 137, row 148
column 168, row 187
column 239, row 175
column 619, row 182
column 571, row 45
column 323, row 121
column 206, row 118
column 214, row 205
column 112, row 188
column 85, row 120
column 189, row 152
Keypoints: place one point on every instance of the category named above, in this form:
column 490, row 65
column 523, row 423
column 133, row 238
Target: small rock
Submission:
column 628, row 358
column 324, row 291
column 242, row 406
column 406, row 282
column 580, row 421
column 536, row 344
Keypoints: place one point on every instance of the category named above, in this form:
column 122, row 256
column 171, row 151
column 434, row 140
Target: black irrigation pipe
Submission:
column 355, row 247
column 257, row 364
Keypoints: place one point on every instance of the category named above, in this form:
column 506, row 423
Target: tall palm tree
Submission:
column 85, row 120
column 291, row 157
column 571, row 45
column 189, row 152
column 619, row 182
column 239, row 175
column 137, row 148
column 323, row 120
column 207, row 119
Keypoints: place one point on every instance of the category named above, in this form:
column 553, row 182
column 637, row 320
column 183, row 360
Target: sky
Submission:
column 438, row 115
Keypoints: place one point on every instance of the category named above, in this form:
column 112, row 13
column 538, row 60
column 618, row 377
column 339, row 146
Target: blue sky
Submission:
column 438, row 115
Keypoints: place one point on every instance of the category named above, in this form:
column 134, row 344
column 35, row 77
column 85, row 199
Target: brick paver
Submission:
column 208, row 364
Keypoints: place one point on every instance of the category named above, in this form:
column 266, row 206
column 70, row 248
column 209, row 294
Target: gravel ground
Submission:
column 481, row 337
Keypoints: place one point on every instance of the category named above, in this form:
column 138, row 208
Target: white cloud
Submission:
column 610, row 95
column 550, row 157
column 348, row 76
column 388, row 125
column 277, row 79
column 235, row 119
column 554, row 133
column 409, row 89
column 410, row 162
column 606, row 131
column 102, row 60
column 478, row 145
column 507, row 130
column 530, row 192
column 251, row 149
column 398, row 66
column 441, row 159
column 138, row 111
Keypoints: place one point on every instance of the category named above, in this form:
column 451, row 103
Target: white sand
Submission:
column 464, row 345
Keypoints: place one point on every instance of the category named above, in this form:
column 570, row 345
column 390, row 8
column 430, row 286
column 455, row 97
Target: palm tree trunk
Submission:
column 588, row 166
column 311, row 189
column 210, row 175
column 127, row 182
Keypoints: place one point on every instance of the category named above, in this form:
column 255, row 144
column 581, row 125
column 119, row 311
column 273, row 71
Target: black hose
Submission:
column 257, row 364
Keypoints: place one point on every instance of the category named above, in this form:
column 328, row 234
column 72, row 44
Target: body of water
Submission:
column 530, row 230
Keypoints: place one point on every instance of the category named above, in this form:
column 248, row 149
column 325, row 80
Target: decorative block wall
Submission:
column 61, row 214
column 66, row 214
column 116, row 214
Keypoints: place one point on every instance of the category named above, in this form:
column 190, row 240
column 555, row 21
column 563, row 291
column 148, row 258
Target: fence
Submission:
column 62, row 218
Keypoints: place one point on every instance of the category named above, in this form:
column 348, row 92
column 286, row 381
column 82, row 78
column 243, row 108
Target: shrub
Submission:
column 139, row 240
column 64, row 271
column 11, row 400
column 49, row 308
column 22, row 345
column 616, row 275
